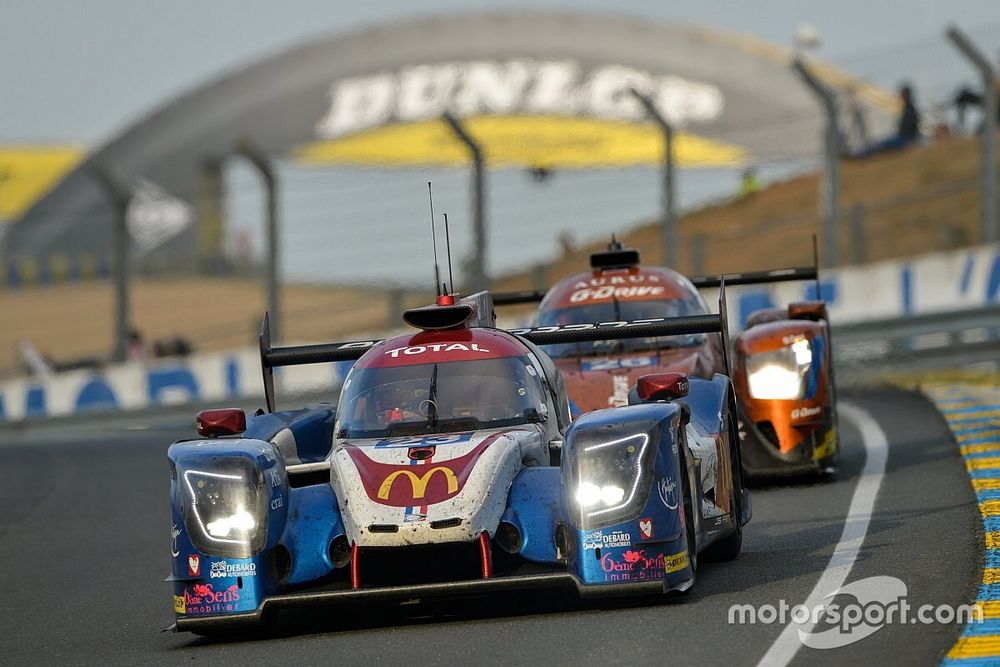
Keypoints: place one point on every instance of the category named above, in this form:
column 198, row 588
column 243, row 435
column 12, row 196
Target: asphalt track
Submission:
column 84, row 535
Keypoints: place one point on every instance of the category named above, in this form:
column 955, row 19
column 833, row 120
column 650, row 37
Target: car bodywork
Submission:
column 781, row 362
column 788, row 422
column 451, row 466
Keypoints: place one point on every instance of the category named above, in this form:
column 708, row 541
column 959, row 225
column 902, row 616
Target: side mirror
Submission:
column 224, row 421
column 537, row 415
column 662, row 386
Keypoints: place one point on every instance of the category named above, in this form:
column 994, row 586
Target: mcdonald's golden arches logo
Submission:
column 407, row 485
column 418, row 483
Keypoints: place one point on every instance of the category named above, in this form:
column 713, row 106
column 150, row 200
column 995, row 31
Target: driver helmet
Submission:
column 398, row 403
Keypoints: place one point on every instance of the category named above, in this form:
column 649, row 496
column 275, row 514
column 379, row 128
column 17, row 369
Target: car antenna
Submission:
column 437, row 276
column 447, row 241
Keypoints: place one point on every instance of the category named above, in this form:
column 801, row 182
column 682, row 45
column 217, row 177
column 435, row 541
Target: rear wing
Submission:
column 758, row 277
column 524, row 296
column 273, row 357
column 701, row 282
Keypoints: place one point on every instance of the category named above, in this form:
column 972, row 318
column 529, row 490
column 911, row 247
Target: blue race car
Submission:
column 449, row 467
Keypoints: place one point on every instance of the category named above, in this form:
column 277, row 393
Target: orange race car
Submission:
column 781, row 361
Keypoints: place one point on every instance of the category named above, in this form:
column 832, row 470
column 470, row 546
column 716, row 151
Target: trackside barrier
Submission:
column 206, row 377
column 891, row 305
column 946, row 281
column 945, row 340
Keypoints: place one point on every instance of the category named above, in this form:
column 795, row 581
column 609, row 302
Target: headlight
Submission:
column 225, row 506
column 607, row 478
column 780, row 374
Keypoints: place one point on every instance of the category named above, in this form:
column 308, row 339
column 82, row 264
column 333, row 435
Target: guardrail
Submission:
column 952, row 339
column 863, row 351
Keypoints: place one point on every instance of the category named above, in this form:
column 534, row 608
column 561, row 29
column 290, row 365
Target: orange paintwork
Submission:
column 592, row 385
column 792, row 420
column 600, row 380
column 631, row 284
column 804, row 431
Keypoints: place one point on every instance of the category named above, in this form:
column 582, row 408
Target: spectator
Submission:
column 177, row 346
column 966, row 97
column 566, row 243
column 907, row 129
column 749, row 183
column 858, row 133
column 136, row 346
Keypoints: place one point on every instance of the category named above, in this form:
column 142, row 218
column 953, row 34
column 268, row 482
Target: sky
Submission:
column 78, row 71
column 75, row 71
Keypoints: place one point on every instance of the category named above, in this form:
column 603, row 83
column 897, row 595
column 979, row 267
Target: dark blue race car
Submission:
column 450, row 467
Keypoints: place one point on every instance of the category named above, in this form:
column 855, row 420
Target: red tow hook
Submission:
column 355, row 570
column 486, row 553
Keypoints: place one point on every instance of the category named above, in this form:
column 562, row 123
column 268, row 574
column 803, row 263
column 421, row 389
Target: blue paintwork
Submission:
column 180, row 542
column 232, row 378
column 173, row 378
column 313, row 523
column 263, row 455
column 439, row 440
column 706, row 398
column 96, row 394
column 213, row 596
column 263, row 427
column 227, row 594
column 312, row 429
column 250, row 590
column 608, row 564
column 34, row 402
column 750, row 302
column 827, row 291
column 306, row 520
column 534, row 506
column 221, row 597
column 340, row 370
column 907, row 286
column 643, row 561
column 818, row 345
column 970, row 263
column 993, row 284
column 313, row 434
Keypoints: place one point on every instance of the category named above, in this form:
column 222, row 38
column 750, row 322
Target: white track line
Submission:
column 859, row 515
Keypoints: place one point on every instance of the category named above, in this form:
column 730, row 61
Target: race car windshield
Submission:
column 443, row 397
column 618, row 310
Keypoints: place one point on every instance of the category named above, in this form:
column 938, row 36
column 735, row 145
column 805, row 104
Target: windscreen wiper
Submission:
column 432, row 411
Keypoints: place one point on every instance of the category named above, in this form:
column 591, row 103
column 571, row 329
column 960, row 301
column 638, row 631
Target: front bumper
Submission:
column 557, row 580
column 816, row 453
